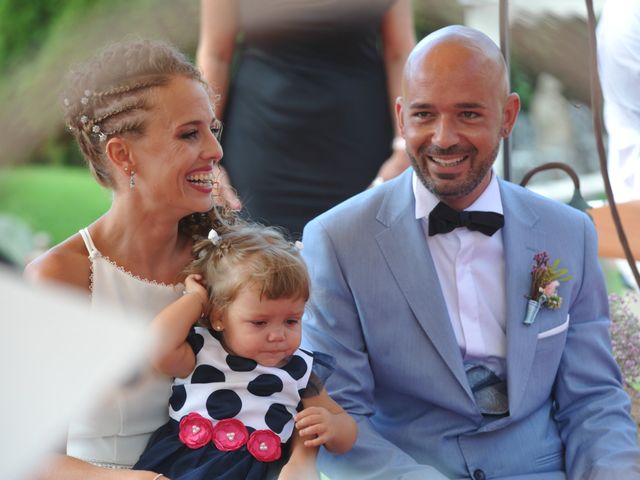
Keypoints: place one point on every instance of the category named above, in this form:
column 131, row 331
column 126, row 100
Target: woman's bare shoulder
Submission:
column 67, row 262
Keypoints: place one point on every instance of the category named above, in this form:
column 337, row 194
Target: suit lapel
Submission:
column 405, row 249
column 416, row 275
column 521, row 242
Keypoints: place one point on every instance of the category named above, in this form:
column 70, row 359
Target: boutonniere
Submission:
column 545, row 279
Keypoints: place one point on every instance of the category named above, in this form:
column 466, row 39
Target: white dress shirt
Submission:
column 470, row 267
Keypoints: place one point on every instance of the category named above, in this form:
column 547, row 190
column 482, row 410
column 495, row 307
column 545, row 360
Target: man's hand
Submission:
column 224, row 194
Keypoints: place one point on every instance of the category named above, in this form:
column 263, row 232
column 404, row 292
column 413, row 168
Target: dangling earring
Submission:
column 132, row 182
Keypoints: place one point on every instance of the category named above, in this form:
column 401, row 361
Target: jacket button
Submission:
column 479, row 475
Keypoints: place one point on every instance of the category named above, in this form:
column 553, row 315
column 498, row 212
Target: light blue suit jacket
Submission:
column 378, row 308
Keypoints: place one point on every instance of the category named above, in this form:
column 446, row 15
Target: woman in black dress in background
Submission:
column 308, row 108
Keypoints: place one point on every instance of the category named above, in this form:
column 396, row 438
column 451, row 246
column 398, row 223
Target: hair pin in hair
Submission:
column 85, row 100
column 213, row 237
column 101, row 135
column 298, row 244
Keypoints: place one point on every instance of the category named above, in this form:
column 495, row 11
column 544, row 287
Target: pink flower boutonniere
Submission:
column 545, row 279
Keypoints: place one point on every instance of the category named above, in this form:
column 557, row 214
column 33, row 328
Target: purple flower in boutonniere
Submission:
column 545, row 279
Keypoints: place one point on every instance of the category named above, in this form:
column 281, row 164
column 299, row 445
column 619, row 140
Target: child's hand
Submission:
column 192, row 284
column 324, row 422
column 317, row 423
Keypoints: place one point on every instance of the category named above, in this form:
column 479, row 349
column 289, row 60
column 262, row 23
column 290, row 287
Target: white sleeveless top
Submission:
column 117, row 432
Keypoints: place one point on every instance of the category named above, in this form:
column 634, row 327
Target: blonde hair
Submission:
column 108, row 95
column 249, row 255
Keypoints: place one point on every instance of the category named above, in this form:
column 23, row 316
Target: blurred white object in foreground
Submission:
column 58, row 361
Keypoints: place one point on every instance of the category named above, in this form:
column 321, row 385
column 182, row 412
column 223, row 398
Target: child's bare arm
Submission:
column 326, row 423
column 174, row 356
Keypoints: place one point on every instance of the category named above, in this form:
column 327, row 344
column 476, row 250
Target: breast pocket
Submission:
column 550, row 345
column 558, row 329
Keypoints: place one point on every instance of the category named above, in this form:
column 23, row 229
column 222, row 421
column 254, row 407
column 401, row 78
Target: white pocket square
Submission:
column 555, row 330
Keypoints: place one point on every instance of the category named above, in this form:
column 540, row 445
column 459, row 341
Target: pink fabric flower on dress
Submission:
column 229, row 434
column 264, row 445
column 195, row 430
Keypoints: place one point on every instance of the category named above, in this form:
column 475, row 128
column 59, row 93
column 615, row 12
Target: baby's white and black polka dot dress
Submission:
column 226, row 386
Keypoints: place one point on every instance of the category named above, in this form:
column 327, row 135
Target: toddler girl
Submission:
column 239, row 374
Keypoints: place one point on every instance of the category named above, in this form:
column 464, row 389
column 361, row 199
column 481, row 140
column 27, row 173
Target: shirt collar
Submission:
column 488, row 201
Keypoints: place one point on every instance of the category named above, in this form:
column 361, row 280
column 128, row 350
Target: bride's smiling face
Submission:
column 174, row 159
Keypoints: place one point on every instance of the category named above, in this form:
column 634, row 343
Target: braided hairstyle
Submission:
column 109, row 95
column 248, row 254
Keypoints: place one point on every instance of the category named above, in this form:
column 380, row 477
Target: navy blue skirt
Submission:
column 166, row 454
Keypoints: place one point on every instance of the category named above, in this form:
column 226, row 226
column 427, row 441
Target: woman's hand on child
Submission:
column 293, row 470
column 139, row 475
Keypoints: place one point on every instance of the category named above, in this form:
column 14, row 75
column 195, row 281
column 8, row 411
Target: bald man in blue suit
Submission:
column 434, row 358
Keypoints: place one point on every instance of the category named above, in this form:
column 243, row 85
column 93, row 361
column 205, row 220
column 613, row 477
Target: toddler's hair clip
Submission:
column 213, row 237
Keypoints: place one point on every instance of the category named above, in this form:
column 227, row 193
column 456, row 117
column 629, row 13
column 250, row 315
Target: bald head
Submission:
column 454, row 109
column 457, row 47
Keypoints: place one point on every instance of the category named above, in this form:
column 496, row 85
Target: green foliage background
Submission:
column 25, row 26
column 72, row 199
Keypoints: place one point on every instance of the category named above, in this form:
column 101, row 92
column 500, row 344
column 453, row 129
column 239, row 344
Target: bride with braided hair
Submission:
column 144, row 121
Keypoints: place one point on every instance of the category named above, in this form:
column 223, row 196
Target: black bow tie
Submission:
column 444, row 219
